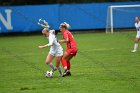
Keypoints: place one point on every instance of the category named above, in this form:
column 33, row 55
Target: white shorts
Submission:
column 56, row 53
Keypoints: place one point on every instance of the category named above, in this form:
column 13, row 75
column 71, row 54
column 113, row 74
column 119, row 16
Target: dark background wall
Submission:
column 32, row 2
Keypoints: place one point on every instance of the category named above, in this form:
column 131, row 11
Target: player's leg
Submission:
column 58, row 60
column 66, row 58
column 49, row 59
column 136, row 44
column 71, row 53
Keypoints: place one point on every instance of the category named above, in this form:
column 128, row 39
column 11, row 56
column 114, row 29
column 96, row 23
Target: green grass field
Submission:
column 104, row 64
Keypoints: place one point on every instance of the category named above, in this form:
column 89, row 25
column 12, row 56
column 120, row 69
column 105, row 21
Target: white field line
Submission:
column 100, row 49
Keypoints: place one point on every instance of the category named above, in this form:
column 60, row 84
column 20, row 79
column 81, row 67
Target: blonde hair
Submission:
column 65, row 25
column 45, row 30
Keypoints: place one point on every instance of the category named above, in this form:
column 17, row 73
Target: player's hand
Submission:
column 40, row 46
column 60, row 41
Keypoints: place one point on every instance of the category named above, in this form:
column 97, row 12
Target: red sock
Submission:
column 64, row 63
column 68, row 65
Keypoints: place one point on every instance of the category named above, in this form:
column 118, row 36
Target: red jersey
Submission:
column 72, row 43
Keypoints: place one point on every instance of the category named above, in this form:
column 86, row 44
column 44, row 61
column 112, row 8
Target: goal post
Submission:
column 120, row 13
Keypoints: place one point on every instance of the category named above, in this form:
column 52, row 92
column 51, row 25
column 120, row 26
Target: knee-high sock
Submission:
column 68, row 65
column 64, row 64
column 60, row 70
column 135, row 46
column 52, row 66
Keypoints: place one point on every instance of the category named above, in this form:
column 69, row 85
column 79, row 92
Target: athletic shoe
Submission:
column 66, row 73
column 134, row 51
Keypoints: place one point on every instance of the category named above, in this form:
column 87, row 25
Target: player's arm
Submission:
column 49, row 44
column 45, row 25
column 43, row 46
column 65, row 40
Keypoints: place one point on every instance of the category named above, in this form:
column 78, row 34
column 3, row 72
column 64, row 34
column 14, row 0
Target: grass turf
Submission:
column 104, row 64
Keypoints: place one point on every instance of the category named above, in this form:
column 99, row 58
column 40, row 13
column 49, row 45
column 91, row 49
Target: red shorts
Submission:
column 72, row 51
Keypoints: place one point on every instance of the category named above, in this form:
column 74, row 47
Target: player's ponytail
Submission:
column 65, row 25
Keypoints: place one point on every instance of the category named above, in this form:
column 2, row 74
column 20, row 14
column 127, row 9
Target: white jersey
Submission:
column 137, row 25
column 56, row 49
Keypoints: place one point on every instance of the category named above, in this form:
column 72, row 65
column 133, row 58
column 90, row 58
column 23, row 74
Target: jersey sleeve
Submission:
column 51, row 39
column 139, row 24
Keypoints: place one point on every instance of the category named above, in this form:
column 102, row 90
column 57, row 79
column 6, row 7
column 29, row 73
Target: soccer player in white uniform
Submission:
column 137, row 39
column 56, row 51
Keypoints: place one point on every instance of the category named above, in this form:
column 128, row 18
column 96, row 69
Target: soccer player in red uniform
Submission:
column 71, row 48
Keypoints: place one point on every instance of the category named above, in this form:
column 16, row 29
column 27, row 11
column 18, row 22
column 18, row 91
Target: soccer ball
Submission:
column 49, row 74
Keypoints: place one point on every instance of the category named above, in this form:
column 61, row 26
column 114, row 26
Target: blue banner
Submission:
column 79, row 16
column 25, row 18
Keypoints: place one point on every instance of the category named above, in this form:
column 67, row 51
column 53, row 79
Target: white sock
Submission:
column 135, row 46
column 52, row 66
column 60, row 70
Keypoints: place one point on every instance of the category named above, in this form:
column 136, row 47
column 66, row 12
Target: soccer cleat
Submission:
column 66, row 73
column 60, row 74
column 134, row 51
